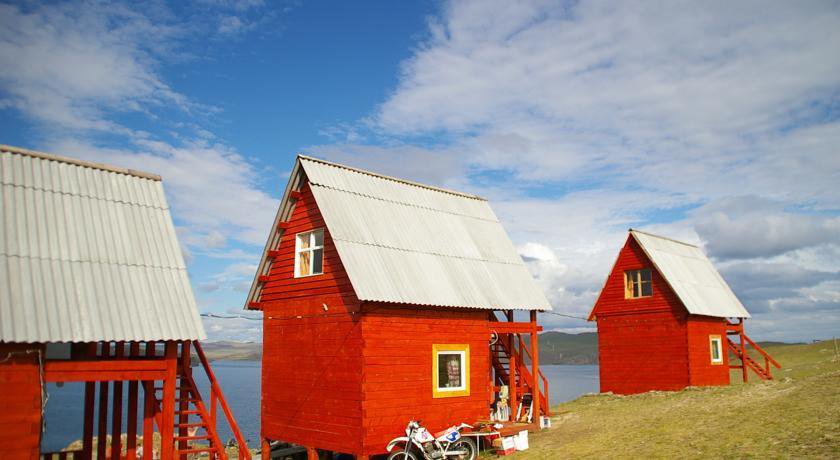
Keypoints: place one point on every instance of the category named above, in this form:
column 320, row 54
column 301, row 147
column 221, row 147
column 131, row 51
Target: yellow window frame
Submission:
column 450, row 348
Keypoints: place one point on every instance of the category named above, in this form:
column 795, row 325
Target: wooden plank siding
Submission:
column 642, row 342
column 20, row 401
column 397, row 383
column 652, row 343
column 312, row 358
column 701, row 370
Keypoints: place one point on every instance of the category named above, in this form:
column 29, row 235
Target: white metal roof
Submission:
column 404, row 242
column 692, row 276
column 87, row 253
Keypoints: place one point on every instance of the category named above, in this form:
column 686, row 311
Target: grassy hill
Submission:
column 797, row 415
column 233, row 351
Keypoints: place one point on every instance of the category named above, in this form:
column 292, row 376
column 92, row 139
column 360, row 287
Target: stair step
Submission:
column 192, row 438
column 187, row 412
column 197, row 451
column 190, row 425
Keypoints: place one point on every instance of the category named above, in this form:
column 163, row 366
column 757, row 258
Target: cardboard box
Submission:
column 507, row 447
column 520, row 441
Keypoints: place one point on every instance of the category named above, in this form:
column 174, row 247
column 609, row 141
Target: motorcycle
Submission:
column 419, row 444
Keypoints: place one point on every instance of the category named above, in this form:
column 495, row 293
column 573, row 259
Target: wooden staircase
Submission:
column 510, row 368
column 742, row 353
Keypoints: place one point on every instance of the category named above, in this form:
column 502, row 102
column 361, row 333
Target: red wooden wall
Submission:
column 701, row 369
column 641, row 342
column 652, row 343
column 397, row 384
column 348, row 381
column 20, row 402
column 312, row 357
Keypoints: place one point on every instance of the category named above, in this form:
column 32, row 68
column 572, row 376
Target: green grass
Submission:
column 797, row 415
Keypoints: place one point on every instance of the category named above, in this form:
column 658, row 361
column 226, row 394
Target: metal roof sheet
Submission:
column 404, row 242
column 87, row 253
column 692, row 276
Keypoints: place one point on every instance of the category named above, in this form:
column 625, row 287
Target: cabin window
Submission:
column 309, row 253
column 637, row 283
column 450, row 370
column 716, row 349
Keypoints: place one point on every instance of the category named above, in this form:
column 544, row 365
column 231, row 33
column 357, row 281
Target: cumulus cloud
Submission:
column 710, row 122
column 749, row 226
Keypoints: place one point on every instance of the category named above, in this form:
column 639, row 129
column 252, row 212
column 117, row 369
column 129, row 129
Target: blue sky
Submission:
column 712, row 123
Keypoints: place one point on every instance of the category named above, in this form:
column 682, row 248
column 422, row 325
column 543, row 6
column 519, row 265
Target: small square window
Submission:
column 638, row 283
column 451, row 370
column 716, row 349
column 309, row 253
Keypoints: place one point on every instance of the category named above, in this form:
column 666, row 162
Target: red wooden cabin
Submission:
column 664, row 320
column 95, row 290
column 379, row 299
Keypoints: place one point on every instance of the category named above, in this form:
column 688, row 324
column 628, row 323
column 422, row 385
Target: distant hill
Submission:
column 562, row 348
column 233, row 351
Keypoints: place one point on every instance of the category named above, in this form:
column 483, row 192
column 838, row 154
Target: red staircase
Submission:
column 196, row 428
column 742, row 353
column 510, row 358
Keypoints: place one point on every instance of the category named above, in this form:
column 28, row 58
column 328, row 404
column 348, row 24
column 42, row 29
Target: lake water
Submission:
column 240, row 381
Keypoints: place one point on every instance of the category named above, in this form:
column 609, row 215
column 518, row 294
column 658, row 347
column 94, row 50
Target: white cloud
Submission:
column 581, row 120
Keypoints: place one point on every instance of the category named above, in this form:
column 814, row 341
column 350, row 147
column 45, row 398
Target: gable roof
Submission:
column 88, row 252
column 404, row 242
column 691, row 276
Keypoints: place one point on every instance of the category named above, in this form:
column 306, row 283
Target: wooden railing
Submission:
column 216, row 396
column 740, row 350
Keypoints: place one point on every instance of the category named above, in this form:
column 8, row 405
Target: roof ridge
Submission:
column 77, row 162
column 391, row 178
column 632, row 230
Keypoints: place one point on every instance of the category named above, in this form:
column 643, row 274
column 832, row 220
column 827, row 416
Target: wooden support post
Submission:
column 116, row 409
column 87, row 431
column 184, row 369
column 149, row 410
column 102, row 424
column 311, row 453
column 131, row 424
column 743, row 346
column 535, row 368
column 167, row 430
column 265, row 449
column 512, row 390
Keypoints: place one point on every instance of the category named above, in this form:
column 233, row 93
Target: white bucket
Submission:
column 520, row 441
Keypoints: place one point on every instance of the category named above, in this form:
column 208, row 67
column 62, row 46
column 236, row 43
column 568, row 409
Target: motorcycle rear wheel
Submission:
column 403, row 455
column 465, row 444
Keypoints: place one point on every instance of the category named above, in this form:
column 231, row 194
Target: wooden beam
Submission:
column 273, row 254
column 131, row 424
column 103, row 376
column 98, row 370
column 502, row 327
column 116, row 409
column 263, row 278
column 535, row 368
column 167, row 429
column 296, row 194
column 148, row 410
column 102, row 424
column 283, row 225
column 183, row 394
column 87, row 431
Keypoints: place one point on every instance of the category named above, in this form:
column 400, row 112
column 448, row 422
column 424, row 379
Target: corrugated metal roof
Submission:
column 692, row 276
column 88, row 252
column 405, row 242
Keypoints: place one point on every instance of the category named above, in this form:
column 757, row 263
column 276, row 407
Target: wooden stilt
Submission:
column 87, row 431
column 535, row 369
column 167, row 435
column 184, row 369
column 265, row 449
column 131, row 424
column 116, row 409
column 311, row 453
column 743, row 350
column 148, row 410
column 102, row 424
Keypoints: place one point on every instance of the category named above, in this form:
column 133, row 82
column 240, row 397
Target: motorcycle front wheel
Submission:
column 402, row 455
column 466, row 445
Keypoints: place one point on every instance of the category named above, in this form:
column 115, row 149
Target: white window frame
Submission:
column 463, row 356
column 311, row 250
column 716, row 342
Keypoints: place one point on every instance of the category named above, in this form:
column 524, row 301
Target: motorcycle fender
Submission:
column 396, row 441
